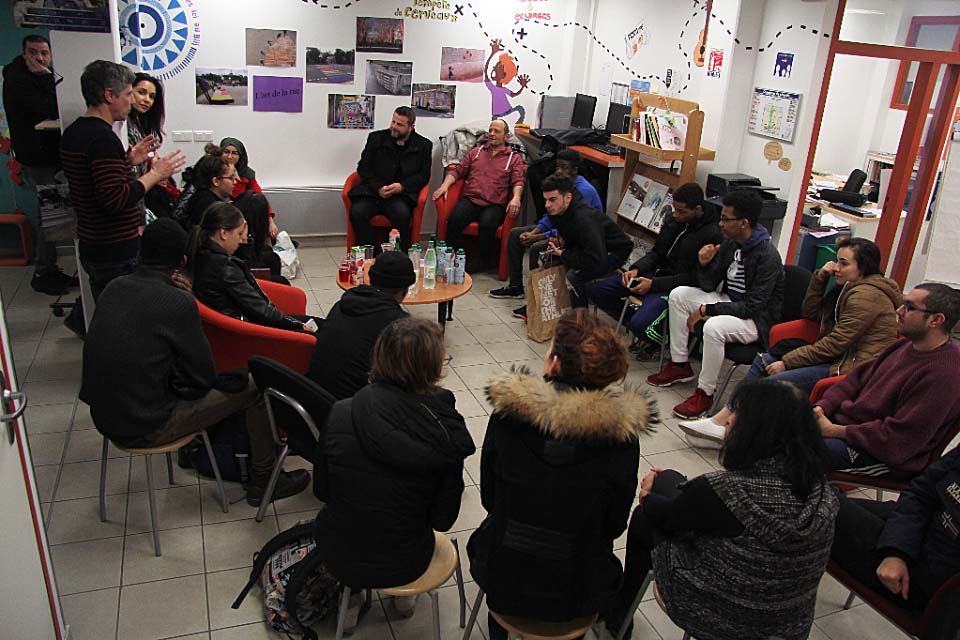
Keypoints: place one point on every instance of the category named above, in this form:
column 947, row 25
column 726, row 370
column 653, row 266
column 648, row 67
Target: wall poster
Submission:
column 774, row 113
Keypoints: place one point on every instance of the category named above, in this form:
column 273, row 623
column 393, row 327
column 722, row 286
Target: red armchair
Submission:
column 381, row 220
column 445, row 208
column 233, row 341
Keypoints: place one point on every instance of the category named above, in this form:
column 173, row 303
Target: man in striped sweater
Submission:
column 103, row 190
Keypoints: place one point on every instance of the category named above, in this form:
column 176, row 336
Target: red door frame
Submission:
column 910, row 139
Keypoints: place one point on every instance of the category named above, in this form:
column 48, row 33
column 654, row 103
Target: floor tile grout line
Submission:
column 123, row 548
column 63, row 456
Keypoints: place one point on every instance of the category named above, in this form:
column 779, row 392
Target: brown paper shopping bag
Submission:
column 547, row 300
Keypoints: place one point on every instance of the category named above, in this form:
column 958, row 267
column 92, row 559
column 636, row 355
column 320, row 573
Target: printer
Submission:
column 720, row 184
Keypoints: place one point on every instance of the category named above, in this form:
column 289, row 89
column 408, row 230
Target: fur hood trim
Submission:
column 613, row 413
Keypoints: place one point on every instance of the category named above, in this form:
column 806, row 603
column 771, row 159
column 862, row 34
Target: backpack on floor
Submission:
column 298, row 591
column 231, row 448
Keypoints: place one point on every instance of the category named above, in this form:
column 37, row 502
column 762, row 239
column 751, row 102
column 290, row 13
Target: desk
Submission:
column 859, row 227
column 613, row 163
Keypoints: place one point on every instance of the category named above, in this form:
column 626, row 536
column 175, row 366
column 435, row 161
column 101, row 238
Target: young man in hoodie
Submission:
column 29, row 98
column 740, row 295
column 671, row 263
column 341, row 360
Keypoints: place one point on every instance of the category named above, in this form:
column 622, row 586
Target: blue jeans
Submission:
column 804, row 377
column 609, row 294
column 102, row 273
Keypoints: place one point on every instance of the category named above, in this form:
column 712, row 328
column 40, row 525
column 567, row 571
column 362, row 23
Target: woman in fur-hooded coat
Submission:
column 558, row 478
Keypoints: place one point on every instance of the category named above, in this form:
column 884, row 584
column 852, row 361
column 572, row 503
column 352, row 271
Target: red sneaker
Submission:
column 695, row 406
column 671, row 372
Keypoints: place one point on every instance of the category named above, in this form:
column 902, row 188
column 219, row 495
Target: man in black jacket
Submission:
column 905, row 550
column 393, row 168
column 671, row 263
column 148, row 373
column 590, row 243
column 29, row 98
column 740, row 294
column 341, row 360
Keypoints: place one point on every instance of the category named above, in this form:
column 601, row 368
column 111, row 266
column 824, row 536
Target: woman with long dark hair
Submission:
column 558, row 475
column 390, row 466
column 858, row 320
column 222, row 281
column 258, row 252
column 146, row 119
column 739, row 553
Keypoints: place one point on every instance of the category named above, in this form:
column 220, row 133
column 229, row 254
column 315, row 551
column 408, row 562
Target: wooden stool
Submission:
column 167, row 449
column 26, row 239
column 444, row 563
column 527, row 629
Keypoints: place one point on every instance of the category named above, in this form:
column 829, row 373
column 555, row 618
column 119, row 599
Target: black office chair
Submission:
column 796, row 281
column 855, row 181
column 295, row 404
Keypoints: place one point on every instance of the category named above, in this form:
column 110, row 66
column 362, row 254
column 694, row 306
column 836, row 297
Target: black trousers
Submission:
column 642, row 537
column 515, row 250
column 397, row 209
column 858, row 528
column 488, row 218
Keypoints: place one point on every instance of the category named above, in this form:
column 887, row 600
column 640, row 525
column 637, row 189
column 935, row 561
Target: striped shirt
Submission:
column 736, row 286
column 103, row 191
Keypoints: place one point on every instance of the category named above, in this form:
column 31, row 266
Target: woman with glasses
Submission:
column 390, row 466
column 857, row 319
column 213, row 179
column 223, row 281
column 236, row 155
column 558, row 475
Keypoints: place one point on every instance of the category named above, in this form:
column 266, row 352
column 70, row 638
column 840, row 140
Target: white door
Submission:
column 29, row 602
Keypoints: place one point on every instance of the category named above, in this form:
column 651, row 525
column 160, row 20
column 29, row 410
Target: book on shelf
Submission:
column 656, row 193
column 662, row 130
column 633, row 198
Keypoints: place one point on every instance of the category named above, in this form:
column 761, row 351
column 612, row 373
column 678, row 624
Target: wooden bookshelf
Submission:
column 640, row 157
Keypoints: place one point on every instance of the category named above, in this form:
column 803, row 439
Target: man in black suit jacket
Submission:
column 393, row 168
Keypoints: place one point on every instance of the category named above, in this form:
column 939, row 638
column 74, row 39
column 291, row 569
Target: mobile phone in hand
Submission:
column 633, row 282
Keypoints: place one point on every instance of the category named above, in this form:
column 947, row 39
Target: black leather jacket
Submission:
column 225, row 284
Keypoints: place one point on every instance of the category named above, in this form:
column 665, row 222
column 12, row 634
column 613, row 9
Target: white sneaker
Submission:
column 704, row 428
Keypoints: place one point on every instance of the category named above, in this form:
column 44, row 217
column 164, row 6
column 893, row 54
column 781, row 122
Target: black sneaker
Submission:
column 521, row 313
column 290, row 483
column 64, row 279
column 48, row 283
column 507, row 292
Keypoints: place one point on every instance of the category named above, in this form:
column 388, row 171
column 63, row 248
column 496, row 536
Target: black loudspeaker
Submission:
column 851, row 198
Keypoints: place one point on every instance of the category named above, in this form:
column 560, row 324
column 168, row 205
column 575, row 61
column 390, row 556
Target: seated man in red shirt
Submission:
column 888, row 415
column 493, row 172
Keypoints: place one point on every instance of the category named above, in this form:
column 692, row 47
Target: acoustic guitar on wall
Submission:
column 700, row 53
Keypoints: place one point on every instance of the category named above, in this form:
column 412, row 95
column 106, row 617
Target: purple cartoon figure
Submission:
column 496, row 79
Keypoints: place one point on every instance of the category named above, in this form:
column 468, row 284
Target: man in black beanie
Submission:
column 149, row 375
column 341, row 359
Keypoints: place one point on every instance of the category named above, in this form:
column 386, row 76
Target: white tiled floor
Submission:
column 112, row 586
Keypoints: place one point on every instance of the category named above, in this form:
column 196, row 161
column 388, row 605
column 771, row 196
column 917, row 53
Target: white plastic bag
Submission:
column 289, row 262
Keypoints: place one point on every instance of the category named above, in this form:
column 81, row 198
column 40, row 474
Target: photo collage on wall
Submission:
column 324, row 63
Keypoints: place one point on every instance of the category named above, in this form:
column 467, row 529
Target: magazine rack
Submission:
column 642, row 159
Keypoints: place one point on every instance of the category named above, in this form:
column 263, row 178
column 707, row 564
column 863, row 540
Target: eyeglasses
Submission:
column 909, row 306
column 722, row 219
column 227, row 152
column 231, row 178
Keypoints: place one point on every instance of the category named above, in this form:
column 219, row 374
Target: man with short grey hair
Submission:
column 103, row 191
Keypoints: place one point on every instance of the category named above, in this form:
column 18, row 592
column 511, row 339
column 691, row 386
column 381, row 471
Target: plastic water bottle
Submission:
column 430, row 267
column 448, row 272
column 415, row 262
column 459, row 266
column 395, row 239
column 441, row 261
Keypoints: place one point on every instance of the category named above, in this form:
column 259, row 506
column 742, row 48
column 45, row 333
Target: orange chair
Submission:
column 381, row 220
column 234, row 342
column 445, row 208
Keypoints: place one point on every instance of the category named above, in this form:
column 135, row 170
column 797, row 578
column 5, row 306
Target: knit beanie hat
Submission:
column 164, row 243
column 392, row 270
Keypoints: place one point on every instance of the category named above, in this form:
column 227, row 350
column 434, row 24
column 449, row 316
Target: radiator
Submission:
column 309, row 211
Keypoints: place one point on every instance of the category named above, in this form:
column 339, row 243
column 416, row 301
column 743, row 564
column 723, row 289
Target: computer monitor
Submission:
column 583, row 108
column 556, row 112
column 617, row 118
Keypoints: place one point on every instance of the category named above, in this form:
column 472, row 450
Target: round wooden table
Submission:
column 442, row 295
